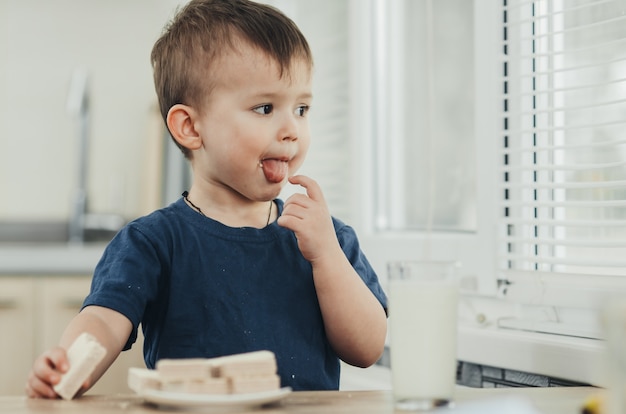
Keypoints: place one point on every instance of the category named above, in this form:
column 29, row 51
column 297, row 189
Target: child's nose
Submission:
column 289, row 128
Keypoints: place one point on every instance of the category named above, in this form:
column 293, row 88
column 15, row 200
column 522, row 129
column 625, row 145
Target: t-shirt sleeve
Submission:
column 350, row 246
column 126, row 277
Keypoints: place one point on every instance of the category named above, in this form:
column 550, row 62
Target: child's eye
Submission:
column 264, row 109
column 302, row 110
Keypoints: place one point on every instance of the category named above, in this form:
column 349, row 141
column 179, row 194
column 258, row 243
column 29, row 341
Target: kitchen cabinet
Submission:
column 17, row 321
column 34, row 311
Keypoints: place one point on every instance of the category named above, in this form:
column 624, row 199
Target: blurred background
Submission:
column 42, row 45
column 124, row 163
column 488, row 132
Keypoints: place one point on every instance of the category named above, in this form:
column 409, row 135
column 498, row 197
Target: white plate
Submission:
column 180, row 399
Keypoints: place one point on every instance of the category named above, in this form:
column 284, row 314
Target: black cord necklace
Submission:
column 186, row 197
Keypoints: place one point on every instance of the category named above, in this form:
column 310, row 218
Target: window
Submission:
column 519, row 105
column 564, row 157
column 541, row 232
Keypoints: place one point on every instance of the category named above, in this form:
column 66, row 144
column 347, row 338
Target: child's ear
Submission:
column 180, row 121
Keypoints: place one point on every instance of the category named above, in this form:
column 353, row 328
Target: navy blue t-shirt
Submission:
column 201, row 289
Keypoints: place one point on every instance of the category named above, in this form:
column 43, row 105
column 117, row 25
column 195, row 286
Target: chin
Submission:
column 274, row 194
column 269, row 191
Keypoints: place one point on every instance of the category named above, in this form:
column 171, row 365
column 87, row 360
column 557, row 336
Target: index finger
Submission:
column 313, row 190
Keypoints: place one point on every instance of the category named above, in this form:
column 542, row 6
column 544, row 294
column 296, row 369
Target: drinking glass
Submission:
column 614, row 321
column 423, row 302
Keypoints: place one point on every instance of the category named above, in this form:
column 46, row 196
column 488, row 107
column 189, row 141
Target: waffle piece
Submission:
column 183, row 369
column 246, row 364
column 208, row 386
column 140, row 379
column 254, row 383
column 84, row 355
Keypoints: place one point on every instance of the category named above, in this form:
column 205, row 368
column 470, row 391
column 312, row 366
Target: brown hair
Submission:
column 202, row 30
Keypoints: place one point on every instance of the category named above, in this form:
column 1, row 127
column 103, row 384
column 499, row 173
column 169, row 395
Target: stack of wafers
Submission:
column 234, row 374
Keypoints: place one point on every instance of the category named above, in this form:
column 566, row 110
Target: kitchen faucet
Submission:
column 80, row 219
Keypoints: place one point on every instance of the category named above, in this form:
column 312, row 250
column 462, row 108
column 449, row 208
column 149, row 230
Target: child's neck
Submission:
column 256, row 214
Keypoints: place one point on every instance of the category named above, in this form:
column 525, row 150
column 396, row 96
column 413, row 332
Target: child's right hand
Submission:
column 46, row 373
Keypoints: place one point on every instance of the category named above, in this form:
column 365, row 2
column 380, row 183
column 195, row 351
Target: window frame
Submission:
column 486, row 299
column 479, row 266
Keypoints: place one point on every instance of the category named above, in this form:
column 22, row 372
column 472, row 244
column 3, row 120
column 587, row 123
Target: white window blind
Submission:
column 563, row 232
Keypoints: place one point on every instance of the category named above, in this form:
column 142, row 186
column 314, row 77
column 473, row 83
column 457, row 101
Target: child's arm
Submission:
column 110, row 328
column 355, row 322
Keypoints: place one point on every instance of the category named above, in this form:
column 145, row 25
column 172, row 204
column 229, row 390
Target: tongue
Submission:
column 275, row 170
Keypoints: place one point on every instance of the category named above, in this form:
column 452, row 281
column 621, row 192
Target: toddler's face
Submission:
column 254, row 124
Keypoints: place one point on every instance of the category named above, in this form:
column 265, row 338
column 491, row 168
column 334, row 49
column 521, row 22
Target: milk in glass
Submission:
column 423, row 330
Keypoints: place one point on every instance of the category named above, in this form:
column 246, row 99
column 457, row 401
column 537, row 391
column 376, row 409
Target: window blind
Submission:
column 563, row 146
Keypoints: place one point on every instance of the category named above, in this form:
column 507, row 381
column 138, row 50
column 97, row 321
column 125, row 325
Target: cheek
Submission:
column 304, row 144
column 303, row 150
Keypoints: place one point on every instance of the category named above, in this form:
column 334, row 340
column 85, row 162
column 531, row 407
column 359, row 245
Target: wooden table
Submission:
column 566, row 400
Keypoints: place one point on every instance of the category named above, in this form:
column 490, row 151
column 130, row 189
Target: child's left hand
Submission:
column 308, row 217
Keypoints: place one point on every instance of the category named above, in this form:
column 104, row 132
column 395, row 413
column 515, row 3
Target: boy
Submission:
column 229, row 268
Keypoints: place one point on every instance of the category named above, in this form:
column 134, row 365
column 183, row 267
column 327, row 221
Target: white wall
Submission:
column 41, row 42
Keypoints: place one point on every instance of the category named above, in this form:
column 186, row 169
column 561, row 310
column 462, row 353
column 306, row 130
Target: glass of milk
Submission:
column 423, row 302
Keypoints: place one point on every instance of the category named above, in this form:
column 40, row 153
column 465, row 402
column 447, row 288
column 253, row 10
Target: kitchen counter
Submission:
column 564, row 400
column 49, row 258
